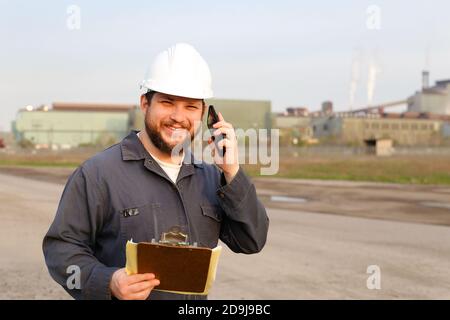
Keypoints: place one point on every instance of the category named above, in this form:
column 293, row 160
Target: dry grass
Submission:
column 47, row 158
column 398, row 169
column 419, row 169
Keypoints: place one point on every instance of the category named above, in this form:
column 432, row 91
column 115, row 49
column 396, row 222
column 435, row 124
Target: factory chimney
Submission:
column 425, row 79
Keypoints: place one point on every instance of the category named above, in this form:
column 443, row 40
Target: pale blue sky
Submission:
column 295, row 53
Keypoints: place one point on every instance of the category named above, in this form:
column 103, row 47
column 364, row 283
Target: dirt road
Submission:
column 308, row 255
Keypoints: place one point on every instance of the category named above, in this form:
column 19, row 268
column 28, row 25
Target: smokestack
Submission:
column 425, row 79
column 327, row 107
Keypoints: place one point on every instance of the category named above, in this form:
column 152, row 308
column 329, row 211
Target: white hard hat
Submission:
column 181, row 71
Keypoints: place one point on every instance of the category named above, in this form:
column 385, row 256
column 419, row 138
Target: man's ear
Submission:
column 203, row 109
column 144, row 104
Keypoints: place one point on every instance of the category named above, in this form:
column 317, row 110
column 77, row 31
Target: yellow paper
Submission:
column 131, row 267
column 131, row 254
column 212, row 268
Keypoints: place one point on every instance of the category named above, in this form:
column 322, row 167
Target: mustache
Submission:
column 183, row 125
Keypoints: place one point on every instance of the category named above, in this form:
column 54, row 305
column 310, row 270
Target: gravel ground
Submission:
column 319, row 249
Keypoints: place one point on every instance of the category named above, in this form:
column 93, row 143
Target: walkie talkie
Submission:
column 212, row 119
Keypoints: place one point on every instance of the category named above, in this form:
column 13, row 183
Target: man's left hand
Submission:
column 230, row 161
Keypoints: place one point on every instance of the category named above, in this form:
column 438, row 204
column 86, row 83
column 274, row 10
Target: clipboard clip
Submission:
column 175, row 237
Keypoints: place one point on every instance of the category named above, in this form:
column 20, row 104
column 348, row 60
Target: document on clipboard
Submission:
column 181, row 269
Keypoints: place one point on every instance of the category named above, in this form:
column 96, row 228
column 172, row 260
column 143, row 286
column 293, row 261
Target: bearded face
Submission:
column 172, row 120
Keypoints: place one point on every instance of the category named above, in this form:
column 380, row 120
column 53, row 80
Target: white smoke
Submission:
column 355, row 75
column 371, row 80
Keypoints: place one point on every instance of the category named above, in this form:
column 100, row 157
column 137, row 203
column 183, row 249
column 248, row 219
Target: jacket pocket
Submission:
column 212, row 211
column 140, row 223
column 209, row 225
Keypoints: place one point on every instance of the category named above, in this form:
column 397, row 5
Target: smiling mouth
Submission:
column 176, row 132
column 176, row 128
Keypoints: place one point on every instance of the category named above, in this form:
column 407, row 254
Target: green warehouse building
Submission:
column 71, row 125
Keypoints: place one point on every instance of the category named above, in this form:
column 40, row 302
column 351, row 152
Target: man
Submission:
column 141, row 187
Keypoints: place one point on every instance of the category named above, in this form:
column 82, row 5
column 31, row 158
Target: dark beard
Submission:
column 157, row 139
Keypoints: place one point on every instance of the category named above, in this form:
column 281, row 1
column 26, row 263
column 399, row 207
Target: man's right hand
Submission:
column 132, row 287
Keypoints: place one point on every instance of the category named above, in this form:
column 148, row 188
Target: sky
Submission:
column 294, row 53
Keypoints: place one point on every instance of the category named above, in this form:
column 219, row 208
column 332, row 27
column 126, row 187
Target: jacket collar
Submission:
column 133, row 149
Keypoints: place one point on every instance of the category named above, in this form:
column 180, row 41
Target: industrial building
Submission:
column 294, row 126
column 71, row 125
column 435, row 99
column 363, row 126
column 343, row 128
column 446, row 130
column 426, row 122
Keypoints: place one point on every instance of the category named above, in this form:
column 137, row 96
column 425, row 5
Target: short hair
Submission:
column 150, row 93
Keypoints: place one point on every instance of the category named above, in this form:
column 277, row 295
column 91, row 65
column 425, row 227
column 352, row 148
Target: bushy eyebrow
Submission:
column 193, row 103
column 167, row 97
